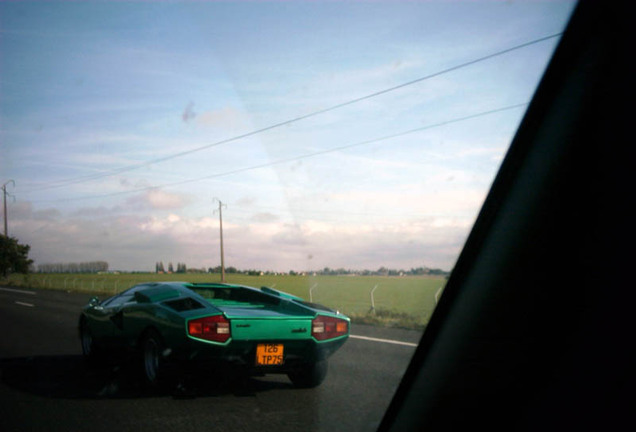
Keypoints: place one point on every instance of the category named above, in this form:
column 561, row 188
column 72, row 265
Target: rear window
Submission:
column 238, row 295
column 184, row 304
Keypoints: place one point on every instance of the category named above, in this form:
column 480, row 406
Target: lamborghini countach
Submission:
column 171, row 326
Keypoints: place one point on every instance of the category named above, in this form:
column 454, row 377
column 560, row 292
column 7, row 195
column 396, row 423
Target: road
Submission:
column 45, row 385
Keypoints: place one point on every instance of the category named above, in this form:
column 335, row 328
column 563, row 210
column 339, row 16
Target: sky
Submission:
column 333, row 134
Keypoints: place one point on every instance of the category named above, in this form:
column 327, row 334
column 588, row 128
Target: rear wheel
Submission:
column 152, row 361
column 310, row 375
column 87, row 341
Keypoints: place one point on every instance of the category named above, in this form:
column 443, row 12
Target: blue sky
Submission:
column 120, row 125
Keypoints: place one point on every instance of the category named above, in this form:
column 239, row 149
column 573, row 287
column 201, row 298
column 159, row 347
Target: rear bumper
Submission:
column 242, row 354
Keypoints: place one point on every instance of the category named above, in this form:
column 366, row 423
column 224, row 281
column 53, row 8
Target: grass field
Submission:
column 399, row 301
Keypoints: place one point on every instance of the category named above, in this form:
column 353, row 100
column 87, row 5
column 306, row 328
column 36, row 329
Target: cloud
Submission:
column 246, row 201
column 24, row 210
column 157, row 199
column 133, row 241
column 265, row 218
column 117, row 240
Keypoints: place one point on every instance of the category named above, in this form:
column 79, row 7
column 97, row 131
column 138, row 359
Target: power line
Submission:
column 132, row 167
column 305, row 156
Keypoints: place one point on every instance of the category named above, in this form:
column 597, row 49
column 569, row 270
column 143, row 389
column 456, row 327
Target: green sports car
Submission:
column 214, row 325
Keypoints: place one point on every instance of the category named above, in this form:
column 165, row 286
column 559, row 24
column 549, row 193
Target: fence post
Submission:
column 437, row 294
column 373, row 300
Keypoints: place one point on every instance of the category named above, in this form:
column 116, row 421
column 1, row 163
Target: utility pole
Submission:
column 221, row 236
column 4, row 196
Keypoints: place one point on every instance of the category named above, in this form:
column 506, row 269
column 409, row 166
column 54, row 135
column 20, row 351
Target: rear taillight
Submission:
column 213, row 328
column 326, row 327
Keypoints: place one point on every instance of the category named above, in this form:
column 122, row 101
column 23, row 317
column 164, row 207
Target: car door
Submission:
column 107, row 319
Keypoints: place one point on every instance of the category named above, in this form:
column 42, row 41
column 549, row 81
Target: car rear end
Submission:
column 265, row 339
column 264, row 334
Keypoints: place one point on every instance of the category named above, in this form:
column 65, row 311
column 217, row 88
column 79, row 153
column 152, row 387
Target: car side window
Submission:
column 119, row 300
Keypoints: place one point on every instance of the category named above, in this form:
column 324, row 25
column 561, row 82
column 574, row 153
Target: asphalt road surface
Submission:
column 45, row 385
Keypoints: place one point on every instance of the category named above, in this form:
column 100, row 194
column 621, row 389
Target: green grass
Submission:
column 399, row 301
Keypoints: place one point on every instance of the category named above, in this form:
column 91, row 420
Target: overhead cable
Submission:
column 132, row 167
column 297, row 158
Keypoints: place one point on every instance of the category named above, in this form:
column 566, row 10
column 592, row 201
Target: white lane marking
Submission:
column 24, row 304
column 17, row 291
column 383, row 340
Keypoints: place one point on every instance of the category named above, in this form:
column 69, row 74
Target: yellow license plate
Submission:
column 269, row 354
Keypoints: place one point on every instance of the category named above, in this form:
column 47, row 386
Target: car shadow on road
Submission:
column 69, row 377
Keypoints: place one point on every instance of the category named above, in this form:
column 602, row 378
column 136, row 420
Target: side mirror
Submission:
column 94, row 301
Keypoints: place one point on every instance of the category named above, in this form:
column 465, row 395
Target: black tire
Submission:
column 310, row 375
column 89, row 349
column 152, row 360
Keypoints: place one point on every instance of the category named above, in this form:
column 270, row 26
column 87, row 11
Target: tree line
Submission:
column 14, row 258
column 159, row 268
column 382, row 271
column 82, row 267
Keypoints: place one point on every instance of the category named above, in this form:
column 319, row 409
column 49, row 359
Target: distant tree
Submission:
column 196, row 270
column 438, row 272
column 14, row 257
column 83, row 267
column 170, row 268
